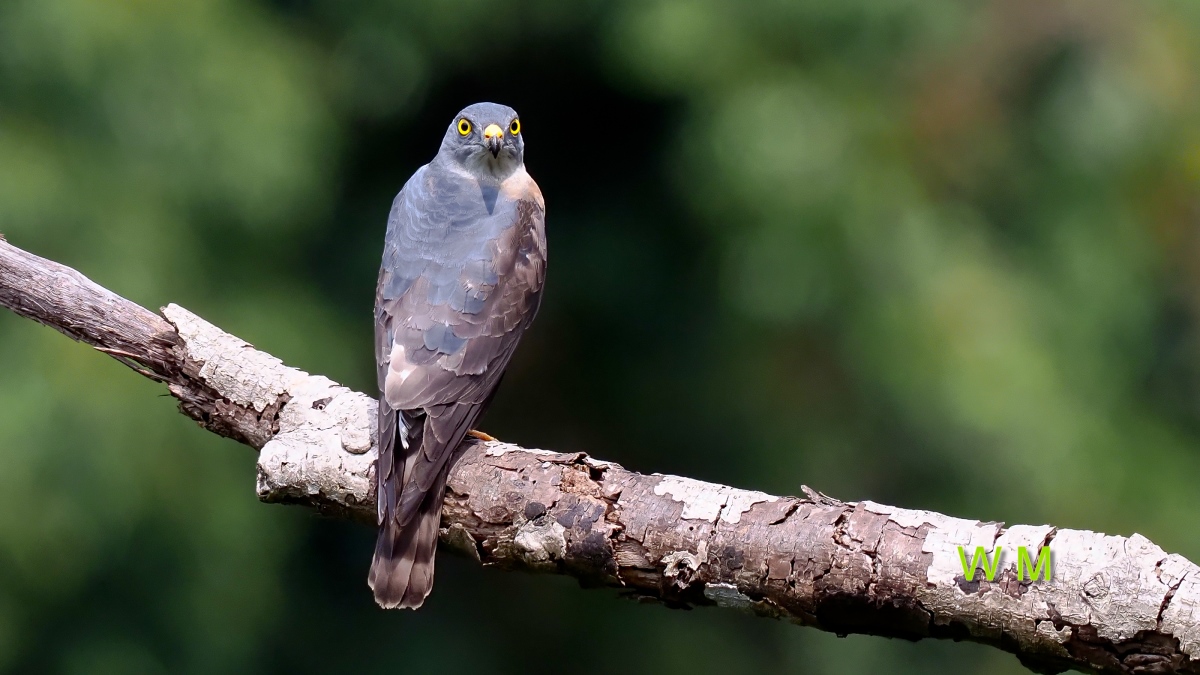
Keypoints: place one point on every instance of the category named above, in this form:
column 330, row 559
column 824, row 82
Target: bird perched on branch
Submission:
column 464, row 261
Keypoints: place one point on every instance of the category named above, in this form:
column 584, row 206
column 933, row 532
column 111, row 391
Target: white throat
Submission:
column 484, row 165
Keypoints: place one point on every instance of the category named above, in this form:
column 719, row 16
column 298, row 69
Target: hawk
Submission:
column 464, row 260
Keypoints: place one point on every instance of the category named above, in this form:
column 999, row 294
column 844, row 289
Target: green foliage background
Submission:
column 941, row 255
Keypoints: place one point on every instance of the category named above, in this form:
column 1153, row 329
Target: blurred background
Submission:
column 942, row 255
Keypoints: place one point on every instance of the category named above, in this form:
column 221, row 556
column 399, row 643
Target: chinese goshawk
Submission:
column 464, row 260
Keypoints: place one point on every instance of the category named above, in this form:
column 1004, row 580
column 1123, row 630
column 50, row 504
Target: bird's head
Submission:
column 485, row 140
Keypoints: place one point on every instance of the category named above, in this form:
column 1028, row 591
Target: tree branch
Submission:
column 1114, row 604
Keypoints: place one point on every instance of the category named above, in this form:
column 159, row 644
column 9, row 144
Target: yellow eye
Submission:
column 464, row 127
column 515, row 127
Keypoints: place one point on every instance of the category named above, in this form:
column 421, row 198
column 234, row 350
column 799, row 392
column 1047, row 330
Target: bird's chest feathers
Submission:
column 514, row 188
column 486, row 225
column 489, row 192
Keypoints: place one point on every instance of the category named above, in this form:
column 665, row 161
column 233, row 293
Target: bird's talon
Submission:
column 475, row 433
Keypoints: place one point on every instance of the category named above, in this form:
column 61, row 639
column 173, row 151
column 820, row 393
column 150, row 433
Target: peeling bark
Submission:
column 1114, row 604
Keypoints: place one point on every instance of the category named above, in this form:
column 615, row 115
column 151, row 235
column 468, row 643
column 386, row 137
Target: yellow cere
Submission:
column 464, row 127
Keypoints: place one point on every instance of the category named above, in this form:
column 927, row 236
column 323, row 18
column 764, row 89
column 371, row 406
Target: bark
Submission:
column 1113, row 605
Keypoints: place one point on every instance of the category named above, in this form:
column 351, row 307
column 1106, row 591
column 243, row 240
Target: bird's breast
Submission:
column 520, row 187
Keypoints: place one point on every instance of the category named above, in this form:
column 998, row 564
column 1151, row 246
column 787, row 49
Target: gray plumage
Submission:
column 464, row 260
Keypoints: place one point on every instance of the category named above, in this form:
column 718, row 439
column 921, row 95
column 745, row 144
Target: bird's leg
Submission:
column 475, row 433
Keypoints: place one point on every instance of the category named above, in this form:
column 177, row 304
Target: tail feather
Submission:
column 416, row 449
column 402, row 569
column 386, row 496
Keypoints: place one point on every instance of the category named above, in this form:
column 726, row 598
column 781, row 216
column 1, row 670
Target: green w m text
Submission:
column 1026, row 569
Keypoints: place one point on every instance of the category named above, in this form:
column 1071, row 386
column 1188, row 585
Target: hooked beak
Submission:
column 493, row 137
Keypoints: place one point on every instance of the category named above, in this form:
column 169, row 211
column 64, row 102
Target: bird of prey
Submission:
column 464, row 260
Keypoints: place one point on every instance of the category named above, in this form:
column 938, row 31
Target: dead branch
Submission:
column 1113, row 605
